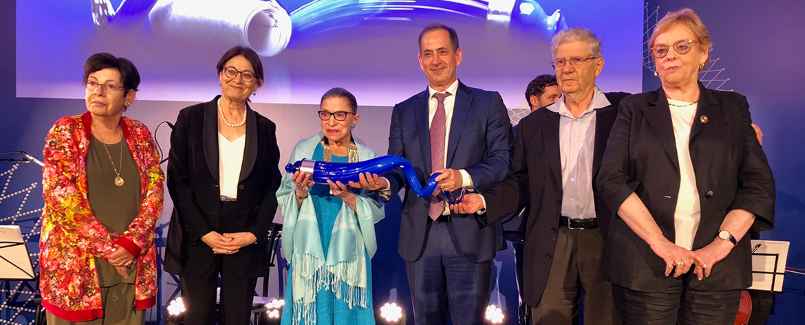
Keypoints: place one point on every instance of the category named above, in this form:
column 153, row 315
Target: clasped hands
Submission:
column 121, row 259
column 228, row 243
column 679, row 260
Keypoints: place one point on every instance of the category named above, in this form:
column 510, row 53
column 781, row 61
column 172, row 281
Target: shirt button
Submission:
column 548, row 256
column 574, row 159
column 574, row 139
column 240, row 187
column 572, row 179
column 553, row 230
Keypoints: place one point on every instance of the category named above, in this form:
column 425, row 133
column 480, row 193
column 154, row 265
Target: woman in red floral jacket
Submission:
column 103, row 194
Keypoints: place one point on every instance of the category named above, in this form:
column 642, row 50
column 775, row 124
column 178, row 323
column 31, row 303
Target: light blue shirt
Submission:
column 576, row 148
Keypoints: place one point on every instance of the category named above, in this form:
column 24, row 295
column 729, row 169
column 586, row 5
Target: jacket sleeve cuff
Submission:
column 128, row 245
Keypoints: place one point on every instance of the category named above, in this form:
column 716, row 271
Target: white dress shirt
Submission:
column 576, row 149
column 688, row 211
column 230, row 159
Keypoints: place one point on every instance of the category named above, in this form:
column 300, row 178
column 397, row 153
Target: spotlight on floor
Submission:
column 391, row 314
column 175, row 312
column 494, row 315
column 274, row 308
column 267, row 312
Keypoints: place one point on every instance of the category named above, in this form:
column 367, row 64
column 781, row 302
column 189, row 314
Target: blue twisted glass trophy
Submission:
column 350, row 172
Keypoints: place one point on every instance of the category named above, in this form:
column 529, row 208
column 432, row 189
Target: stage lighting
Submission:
column 391, row 314
column 274, row 308
column 494, row 315
column 176, row 307
column 175, row 312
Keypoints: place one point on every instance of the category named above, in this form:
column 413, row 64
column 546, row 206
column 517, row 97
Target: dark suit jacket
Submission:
column 193, row 186
column 536, row 179
column 480, row 143
column 731, row 173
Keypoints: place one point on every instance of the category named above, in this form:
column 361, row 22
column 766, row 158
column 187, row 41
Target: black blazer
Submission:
column 480, row 143
column 193, row 186
column 731, row 173
column 536, row 179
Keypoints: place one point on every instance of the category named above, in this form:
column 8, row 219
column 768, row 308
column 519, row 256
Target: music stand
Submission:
column 768, row 265
column 15, row 262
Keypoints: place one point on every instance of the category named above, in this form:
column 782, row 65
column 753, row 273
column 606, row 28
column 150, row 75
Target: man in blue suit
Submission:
column 463, row 133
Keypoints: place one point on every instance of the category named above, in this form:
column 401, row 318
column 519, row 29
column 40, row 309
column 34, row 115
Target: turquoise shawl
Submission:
column 352, row 235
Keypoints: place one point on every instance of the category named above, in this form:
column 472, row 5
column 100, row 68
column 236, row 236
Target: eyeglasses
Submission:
column 574, row 62
column 680, row 46
column 339, row 116
column 246, row 75
column 107, row 87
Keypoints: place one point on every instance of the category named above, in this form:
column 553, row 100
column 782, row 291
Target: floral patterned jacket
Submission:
column 71, row 235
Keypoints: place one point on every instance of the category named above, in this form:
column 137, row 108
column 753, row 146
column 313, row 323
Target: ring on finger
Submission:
column 680, row 263
column 669, row 266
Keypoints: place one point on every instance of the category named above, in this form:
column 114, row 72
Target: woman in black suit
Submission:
column 685, row 172
column 222, row 177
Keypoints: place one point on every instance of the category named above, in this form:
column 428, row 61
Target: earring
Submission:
column 353, row 126
column 701, row 67
column 656, row 74
column 128, row 104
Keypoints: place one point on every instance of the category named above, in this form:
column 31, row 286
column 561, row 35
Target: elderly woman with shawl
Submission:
column 329, row 235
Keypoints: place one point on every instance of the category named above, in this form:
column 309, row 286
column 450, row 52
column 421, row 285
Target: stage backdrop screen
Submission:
column 366, row 46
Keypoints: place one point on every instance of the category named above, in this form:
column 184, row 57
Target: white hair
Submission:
column 576, row 34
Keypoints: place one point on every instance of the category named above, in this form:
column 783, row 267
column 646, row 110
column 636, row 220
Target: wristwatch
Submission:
column 726, row 235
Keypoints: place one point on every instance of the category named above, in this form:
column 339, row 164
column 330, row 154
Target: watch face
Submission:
column 724, row 234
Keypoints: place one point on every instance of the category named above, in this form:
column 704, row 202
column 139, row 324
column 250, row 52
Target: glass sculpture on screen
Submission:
column 267, row 27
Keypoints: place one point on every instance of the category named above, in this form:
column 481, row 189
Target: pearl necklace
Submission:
column 224, row 118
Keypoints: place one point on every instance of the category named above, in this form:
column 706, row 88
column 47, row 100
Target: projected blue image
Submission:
column 267, row 27
column 309, row 46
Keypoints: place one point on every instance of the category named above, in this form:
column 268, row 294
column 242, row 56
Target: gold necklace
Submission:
column 118, row 180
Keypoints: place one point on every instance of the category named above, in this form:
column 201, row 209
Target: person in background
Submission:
column 542, row 91
column 687, row 176
column 102, row 186
column 222, row 177
column 329, row 229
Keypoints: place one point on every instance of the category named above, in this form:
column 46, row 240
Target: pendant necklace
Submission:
column 118, row 180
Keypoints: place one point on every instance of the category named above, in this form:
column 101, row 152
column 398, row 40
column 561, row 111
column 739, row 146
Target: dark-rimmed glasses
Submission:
column 106, row 87
column 680, row 47
column 339, row 116
column 246, row 75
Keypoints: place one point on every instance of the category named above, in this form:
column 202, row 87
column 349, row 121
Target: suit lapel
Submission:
column 461, row 109
column 250, row 148
column 604, row 118
column 550, row 136
column 707, row 107
column 421, row 116
column 210, row 137
column 658, row 115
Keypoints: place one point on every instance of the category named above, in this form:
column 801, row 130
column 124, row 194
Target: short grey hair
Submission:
column 576, row 34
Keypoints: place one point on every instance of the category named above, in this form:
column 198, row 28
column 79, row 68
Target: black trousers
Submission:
column 679, row 304
column 576, row 268
column 237, row 292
